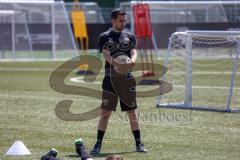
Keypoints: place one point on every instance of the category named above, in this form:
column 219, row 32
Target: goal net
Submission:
column 203, row 69
column 35, row 30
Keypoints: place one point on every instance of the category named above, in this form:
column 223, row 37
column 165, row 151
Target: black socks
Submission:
column 137, row 137
column 136, row 134
column 100, row 135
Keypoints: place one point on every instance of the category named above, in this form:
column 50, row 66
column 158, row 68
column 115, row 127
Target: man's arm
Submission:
column 133, row 56
column 133, row 51
column 109, row 58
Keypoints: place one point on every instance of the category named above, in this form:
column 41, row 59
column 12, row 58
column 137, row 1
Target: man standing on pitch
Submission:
column 111, row 43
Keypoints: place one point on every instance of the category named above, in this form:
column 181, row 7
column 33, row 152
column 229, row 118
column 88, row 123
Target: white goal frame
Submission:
column 12, row 14
column 187, row 102
column 52, row 4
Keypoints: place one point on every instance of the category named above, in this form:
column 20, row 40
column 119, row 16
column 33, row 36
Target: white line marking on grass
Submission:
column 43, row 97
column 204, row 73
column 207, row 87
column 80, row 80
column 172, row 73
column 26, row 69
column 10, row 69
column 35, row 60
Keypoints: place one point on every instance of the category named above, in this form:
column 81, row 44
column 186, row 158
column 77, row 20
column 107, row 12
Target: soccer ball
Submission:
column 124, row 59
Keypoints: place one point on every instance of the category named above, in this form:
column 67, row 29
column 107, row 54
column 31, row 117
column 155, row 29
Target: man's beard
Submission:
column 120, row 28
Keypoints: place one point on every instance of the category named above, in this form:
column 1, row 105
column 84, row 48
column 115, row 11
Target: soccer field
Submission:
column 27, row 113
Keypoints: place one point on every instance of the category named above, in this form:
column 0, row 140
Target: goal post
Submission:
column 35, row 30
column 203, row 69
column 10, row 15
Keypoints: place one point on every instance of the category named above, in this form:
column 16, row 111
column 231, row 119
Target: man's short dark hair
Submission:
column 116, row 12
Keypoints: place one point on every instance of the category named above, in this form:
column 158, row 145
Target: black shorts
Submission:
column 122, row 88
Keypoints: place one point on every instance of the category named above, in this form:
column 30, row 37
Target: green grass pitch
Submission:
column 27, row 113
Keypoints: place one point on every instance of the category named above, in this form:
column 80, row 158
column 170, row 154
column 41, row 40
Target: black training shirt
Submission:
column 116, row 37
